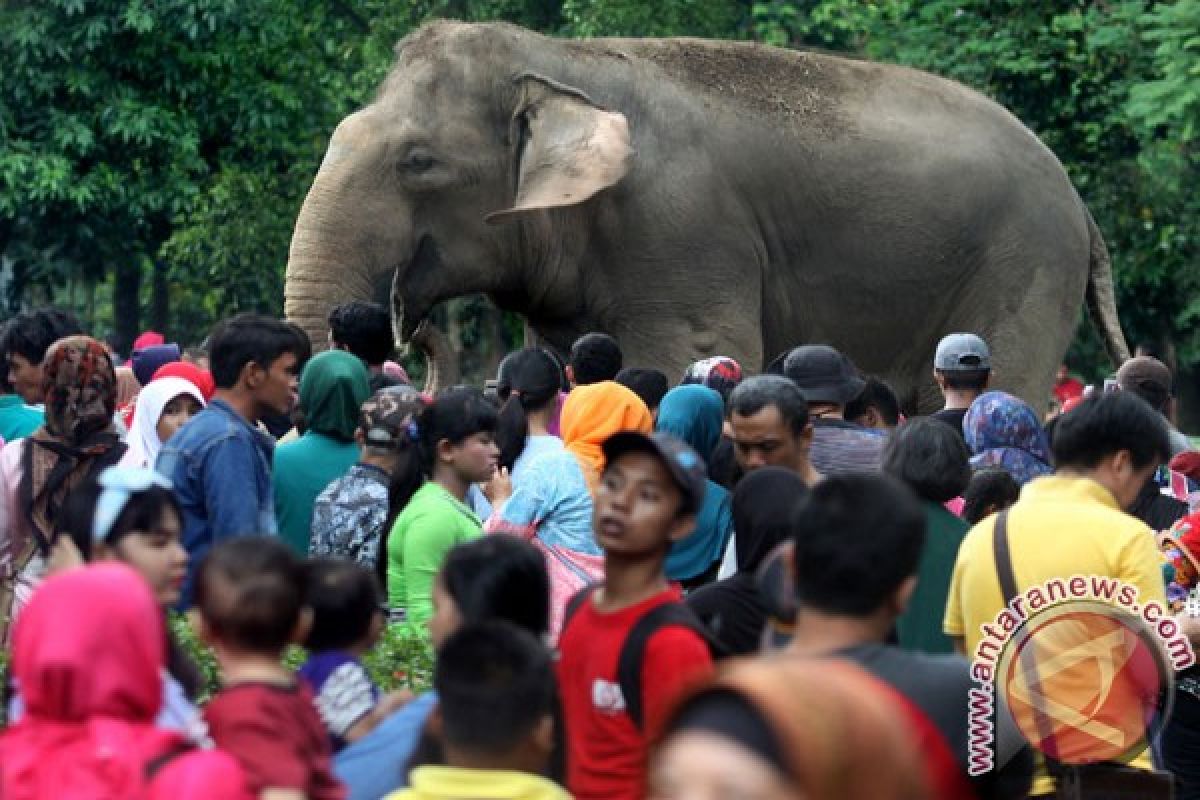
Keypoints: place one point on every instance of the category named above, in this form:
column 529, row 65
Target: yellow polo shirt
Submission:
column 453, row 783
column 1060, row 527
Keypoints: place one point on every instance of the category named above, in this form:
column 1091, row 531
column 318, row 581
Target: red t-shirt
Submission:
column 606, row 753
column 277, row 736
column 1069, row 388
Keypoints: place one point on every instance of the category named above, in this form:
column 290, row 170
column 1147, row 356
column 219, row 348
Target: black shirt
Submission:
column 952, row 417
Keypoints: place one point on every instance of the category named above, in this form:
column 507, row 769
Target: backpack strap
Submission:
column 1004, row 569
column 633, row 651
column 156, row 764
column 575, row 603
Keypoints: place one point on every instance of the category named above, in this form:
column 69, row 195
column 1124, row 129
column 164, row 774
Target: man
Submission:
column 858, row 541
column 219, row 462
column 1151, row 380
column 648, row 384
column 769, row 418
column 594, row 357
column 875, row 407
column 17, row 420
column 1105, row 450
column 364, row 329
column 962, row 366
column 28, row 337
column 829, row 381
column 1066, row 385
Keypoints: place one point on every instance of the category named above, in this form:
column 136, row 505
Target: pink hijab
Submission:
column 91, row 690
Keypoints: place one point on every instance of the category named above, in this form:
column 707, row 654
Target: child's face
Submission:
column 474, row 458
column 157, row 555
column 637, row 506
column 181, row 408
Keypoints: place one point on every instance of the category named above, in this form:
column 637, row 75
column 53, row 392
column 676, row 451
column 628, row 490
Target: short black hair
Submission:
column 648, row 384
column 499, row 577
column 5, row 386
column 595, row 357
column 454, row 414
column 344, row 597
column 879, row 396
column 857, row 538
column 250, row 591
column 30, row 333
column 754, row 394
column 365, row 329
column 967, row 379
column 930, row 457
column 990, row 488
column 252, row 338
column 495, row 684
column 1108, row 422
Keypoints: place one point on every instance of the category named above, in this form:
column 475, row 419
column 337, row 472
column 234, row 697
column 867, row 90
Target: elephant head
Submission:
column 466, row 132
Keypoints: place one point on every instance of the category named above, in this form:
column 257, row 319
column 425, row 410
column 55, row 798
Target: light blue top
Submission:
column 378, row 763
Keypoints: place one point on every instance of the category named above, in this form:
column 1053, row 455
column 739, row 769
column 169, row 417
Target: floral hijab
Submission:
column 1004, row 431
column 78, row 437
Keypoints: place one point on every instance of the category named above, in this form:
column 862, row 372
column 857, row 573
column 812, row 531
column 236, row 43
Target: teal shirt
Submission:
column 18, row 420
column 920, row 626
column 301, row 471
column 432, row 523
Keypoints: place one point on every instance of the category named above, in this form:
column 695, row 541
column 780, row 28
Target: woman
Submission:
column 785, row 728
column 694, row 414
column 493, row 578
column 735, row 609
column 929, row 456
column 527, row 384
column 163, row 407
column 77, row 440
column 1004, row 431
column 91, row 691
column 552, row 503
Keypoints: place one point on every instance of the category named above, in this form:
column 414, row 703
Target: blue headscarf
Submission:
column 1004, row 431
column 695, row 414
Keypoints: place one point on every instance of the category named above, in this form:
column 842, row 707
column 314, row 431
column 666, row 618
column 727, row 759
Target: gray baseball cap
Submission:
column 962, row 351
column 686, row 467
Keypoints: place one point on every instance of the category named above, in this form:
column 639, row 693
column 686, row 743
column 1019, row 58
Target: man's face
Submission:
column 276, row 385
column 26, row 378
column 637, row 506
column 763, row 439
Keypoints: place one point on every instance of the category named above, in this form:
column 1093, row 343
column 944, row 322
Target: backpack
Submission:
column 633, row 649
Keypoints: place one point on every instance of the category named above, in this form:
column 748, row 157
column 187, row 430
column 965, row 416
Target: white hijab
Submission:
column 143, row 440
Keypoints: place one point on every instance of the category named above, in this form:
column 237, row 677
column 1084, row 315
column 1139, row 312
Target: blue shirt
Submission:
column 221, row 468
column 377, row 763
column 18, row 420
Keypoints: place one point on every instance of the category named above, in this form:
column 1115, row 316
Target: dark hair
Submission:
column 250, row 591
column 344, row 598
column 857, row 538
column 527, row 380
column 252, row 338
column 455, row 414
column 930, row 457
column 5, row 329
column 991, row 489
column 595, row 357
column 1105, row 423
column 499, row 577
column 30, row 333
column 648, row 384
column 879, row 396
column 967, row 379
column 142, row 512
column 495, row 683
column 754, row 394
column 365, row 329
column 195, row 353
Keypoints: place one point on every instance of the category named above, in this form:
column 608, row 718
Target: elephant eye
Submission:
column 417, row 161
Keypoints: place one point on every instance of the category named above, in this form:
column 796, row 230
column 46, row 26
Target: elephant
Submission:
column 694, row 197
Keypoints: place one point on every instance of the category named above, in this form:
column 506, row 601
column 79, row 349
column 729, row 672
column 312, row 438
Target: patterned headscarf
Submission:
column 78, row 436
column 720, row 373
column 1004, row 431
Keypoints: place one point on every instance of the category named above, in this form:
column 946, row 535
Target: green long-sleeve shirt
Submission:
column 433, row 522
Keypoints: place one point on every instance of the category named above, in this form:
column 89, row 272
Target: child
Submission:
column 162, row 408
column 494, row 719
column 647, row 498
column 1181, row 550
column 346, row 623
column 250, row 592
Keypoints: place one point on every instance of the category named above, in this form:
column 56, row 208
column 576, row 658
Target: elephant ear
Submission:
column 568, row 148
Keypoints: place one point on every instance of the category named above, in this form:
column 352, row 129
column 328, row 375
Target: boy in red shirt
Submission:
column 647, row 498
column 250, row 592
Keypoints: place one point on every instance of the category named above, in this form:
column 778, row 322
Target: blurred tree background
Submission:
column 154, row 153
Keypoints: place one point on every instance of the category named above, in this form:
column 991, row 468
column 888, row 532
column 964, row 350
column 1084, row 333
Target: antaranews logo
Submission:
column 1085, row 671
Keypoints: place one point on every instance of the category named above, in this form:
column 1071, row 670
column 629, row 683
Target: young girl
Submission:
column 162, row 408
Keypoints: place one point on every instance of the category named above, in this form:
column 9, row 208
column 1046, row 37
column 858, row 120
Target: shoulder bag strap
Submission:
column 1004, row 570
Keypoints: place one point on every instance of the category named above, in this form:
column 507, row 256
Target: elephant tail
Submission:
column 1101, row 300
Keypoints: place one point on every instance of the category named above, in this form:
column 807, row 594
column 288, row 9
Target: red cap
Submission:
column 202, row 379
column 148, row 339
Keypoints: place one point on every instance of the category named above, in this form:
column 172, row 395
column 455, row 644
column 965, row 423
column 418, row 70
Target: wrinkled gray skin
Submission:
column 695, row 197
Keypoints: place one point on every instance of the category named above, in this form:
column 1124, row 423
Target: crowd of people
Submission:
column 740, row 586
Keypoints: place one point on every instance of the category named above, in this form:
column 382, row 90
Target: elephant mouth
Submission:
column 411, row 305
